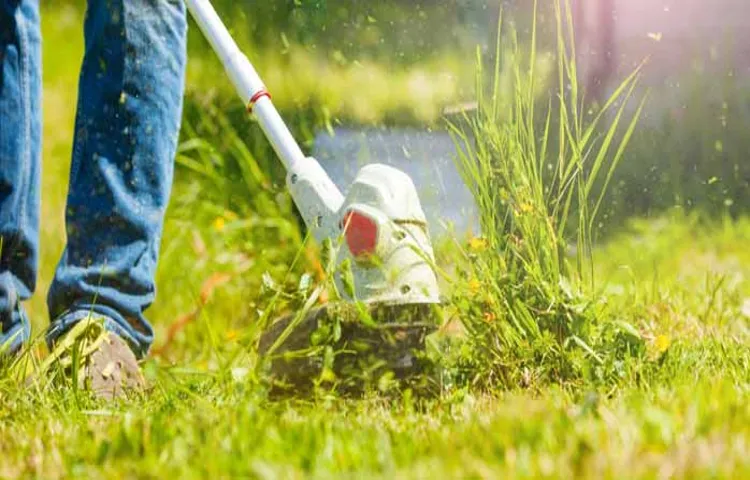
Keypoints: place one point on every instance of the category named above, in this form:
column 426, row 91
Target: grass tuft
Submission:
column 538, row 170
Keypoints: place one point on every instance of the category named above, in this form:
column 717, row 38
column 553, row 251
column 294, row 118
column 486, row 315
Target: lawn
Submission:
column 680, row 411
column 658, row 386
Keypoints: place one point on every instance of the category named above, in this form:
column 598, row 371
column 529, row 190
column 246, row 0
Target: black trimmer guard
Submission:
column 351, row 347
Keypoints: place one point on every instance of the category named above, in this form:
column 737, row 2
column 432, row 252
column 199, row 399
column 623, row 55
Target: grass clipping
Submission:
column 538, row 166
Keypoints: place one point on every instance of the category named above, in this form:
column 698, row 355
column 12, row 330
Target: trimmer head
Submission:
column 392, row 346
column 384, row 275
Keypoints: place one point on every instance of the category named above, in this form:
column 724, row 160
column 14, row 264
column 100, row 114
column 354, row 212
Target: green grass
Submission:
column 657, row 386
column 682, row 408
column 684, row 431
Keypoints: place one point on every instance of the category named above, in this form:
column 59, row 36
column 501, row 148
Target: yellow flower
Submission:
column 478, row 244
column 526, row 208
column 219, row 224
column 662, row 343
column 474, row 285
column 232, row 335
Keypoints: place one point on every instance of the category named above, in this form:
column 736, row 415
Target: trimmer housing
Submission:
column 378, row 232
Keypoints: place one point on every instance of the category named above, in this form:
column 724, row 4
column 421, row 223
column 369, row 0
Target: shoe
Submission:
column 13, row 341
column 96, row 360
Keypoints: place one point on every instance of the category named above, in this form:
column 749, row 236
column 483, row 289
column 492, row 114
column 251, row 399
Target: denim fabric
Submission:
column 127, row 126
column 20, row 147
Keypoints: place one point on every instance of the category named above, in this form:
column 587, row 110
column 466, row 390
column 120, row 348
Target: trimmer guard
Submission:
column 393, row 346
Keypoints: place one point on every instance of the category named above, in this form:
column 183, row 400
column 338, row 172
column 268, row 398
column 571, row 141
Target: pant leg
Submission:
column 20, row 138
column 127, row 126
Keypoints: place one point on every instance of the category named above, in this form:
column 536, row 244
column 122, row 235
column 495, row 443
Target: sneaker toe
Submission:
column 112, row 370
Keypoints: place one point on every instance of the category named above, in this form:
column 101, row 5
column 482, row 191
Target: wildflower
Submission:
column 232, row 335
column 662, row 343
column 219, row 224
column 526, row 208
column 474, row 285
column 478, row 244
column 489, row 317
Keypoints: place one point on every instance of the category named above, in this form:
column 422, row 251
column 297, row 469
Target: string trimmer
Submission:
column 377, row 233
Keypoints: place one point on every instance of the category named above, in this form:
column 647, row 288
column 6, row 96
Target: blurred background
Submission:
column 693, row 146
column 379, row 81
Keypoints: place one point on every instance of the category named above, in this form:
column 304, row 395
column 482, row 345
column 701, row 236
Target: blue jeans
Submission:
column 126, row 132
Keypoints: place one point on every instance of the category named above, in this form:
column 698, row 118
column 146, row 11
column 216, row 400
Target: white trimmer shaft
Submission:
column 378, row 229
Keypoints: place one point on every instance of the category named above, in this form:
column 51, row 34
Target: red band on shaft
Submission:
column 260, row 94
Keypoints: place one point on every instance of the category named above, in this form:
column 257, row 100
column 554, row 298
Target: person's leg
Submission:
column 127, row 127
column 20, row 138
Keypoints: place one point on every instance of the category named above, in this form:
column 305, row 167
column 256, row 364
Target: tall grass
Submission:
column 538, row 171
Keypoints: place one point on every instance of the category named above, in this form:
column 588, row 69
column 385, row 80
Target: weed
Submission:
column 530, row 299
